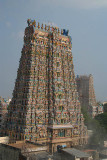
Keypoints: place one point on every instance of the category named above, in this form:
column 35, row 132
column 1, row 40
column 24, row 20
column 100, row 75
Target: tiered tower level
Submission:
column 45, row 105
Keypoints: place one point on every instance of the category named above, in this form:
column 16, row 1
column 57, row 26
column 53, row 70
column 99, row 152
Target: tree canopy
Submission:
column 98, row 125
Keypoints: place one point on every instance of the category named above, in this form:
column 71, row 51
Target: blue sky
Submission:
column 87, row 24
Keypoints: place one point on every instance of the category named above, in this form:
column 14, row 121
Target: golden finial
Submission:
column 58, row 30
column 42, row 26
column 61, row 31
column 38, row 25
column 53, row 28
column 48, row 28
column 45, row 27
column 35, row 24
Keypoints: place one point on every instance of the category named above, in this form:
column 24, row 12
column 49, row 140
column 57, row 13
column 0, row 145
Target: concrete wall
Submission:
column 9, row 153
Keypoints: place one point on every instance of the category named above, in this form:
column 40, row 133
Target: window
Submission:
column 62, row 121
column 59, row 85
column 58, row 64
column 39, row 107
column 61, row 108
column 59, row 96
column 58, row 74
column 61, row 133
column 57, row 54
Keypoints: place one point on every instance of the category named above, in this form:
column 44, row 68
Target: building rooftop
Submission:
column 29, row 147
column 76, row 152
column 22, row 144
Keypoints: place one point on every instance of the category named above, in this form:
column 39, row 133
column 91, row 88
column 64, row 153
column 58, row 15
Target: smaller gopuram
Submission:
column 87, row 96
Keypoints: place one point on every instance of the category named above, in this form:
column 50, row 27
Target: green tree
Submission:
column 98, row 125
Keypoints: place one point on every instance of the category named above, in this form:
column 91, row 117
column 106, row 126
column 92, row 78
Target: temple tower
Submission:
column 85, row 88
column 45, row 106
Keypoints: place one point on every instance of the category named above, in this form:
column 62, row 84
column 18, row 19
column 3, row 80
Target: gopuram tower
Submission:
column 85, row 88
column 45, row 106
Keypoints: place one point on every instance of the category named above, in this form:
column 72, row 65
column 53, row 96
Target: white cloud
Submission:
column 8, row 24
column 19, row 35
column 83, row 4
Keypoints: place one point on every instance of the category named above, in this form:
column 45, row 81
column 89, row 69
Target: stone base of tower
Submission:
column 67, row 142
column 52, row 144
column 57, row 135
column 64, row 135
